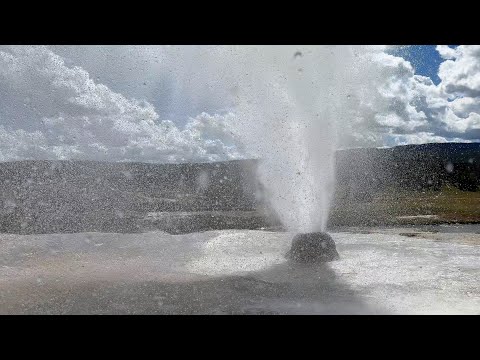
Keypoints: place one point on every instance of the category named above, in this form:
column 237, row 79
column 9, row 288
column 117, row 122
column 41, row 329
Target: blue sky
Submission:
column 424, row 58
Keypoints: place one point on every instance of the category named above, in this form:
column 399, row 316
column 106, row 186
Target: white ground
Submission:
column 237, row 271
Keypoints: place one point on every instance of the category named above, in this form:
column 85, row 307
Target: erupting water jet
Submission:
column 286, row 102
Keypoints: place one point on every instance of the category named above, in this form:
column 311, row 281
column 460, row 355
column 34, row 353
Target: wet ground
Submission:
column 411, row 270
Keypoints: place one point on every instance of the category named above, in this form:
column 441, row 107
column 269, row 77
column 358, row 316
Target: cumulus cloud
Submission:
column 179, row 81
column 403, row 107
column 460, row 74
column 420, row 138
column 446, row 52
column 56, row 111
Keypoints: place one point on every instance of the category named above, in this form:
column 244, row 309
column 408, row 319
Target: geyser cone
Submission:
column 316, row 247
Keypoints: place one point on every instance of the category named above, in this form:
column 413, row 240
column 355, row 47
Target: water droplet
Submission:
column 297, row 54
column 449, row 167
column 127, row 174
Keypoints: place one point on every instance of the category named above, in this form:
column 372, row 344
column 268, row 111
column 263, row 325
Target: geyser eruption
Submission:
column 286, row 102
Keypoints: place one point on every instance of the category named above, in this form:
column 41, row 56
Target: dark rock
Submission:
column 314, row 247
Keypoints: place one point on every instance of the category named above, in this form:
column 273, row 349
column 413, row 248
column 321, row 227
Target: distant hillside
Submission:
column 73, row 196
column 363, row 172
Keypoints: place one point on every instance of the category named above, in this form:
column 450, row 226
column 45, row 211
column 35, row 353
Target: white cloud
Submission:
column 72, row 116
column 464, row 106
column 391, row 99
column 461, row 124
column 412, row 107
column 446, row 52
column 461, row 75
column 419, row 138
